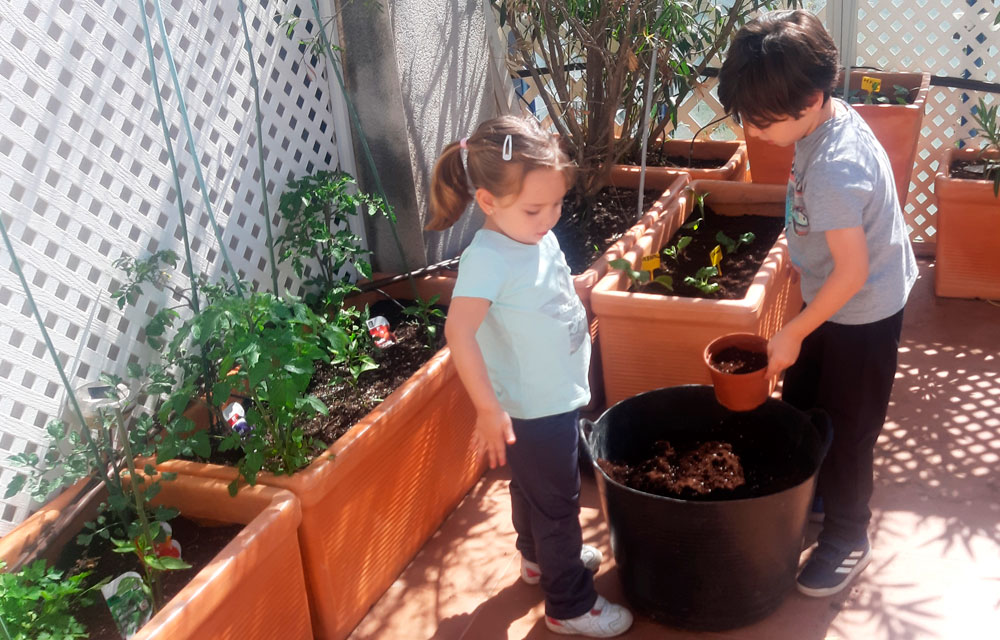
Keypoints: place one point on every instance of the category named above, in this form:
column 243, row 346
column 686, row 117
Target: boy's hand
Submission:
column 782, row 352
column 493, row 433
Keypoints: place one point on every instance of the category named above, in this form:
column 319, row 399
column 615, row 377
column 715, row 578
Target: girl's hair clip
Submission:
column 508, row 148
column 463, row 143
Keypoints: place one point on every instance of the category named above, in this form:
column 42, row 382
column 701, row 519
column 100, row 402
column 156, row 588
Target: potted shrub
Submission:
column 656, row 339
column 968, row 228
column 895, row 114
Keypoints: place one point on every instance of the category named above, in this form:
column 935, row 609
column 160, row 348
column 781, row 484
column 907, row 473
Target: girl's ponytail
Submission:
column 450, row 189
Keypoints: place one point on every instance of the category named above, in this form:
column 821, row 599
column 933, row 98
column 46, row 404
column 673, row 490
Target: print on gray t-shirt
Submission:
column 841, row 178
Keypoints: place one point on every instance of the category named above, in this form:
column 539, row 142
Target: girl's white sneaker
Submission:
column 604, row 620
column 592, row 557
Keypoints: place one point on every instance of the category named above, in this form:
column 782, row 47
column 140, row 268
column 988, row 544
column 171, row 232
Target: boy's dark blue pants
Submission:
column 545, row 507
column 847, row 370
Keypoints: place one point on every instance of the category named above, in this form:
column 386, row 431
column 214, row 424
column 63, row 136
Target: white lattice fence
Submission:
column 84, row 176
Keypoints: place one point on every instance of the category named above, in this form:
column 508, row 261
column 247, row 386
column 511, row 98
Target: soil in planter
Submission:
column 973, row 170
column 738, row 361
column 732, row 460
column 199, row 544
column 887, row 96
column 585, row 232
column 738, row 269
column 656, row 157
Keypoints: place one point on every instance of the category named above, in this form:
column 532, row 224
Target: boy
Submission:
column 847, row 236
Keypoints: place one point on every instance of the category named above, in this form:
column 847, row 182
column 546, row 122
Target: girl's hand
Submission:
column 782, row 351
column 493, row 433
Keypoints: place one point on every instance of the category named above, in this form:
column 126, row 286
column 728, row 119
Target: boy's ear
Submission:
column 486, row 201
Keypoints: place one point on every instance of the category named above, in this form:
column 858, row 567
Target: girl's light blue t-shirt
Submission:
column 534, row 338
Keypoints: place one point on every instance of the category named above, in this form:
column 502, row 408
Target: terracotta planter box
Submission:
column 652, row 341
column 374, row 497
column 584, row 282
column 732, row 154
column 253, row 588
column 896, row 126
column 968, row 233
column 45, row 532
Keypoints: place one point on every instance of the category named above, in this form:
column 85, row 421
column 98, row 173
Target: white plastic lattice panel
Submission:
column 85, row 177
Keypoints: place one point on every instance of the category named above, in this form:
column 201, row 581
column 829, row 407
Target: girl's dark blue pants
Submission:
column 847, row 371
column 545, row 507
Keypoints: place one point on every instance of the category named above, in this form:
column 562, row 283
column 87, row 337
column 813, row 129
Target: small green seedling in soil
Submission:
column 733, row 245
column 424, row 313
column 700, row 280
column 637, row 278
column 699, row 203
column 676, row 250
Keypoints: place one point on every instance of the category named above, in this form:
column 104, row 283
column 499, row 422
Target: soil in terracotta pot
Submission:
column 738, row 361
column 655, row 157
column 199, row 544
column 738, row 269
column 974, row 170
column 586, row 231
column 732, row 460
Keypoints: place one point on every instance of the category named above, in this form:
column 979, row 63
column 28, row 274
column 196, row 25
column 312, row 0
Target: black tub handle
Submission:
column 822, row 421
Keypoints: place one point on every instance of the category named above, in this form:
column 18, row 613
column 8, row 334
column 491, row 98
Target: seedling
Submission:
column 699, row 203
column 700, row 280
column 733, row 245
column 424, row 312
column 676, row 250
column 637, row 278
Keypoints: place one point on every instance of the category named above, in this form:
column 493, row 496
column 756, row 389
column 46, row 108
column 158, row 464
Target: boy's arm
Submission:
column 849, row 250
column 493, row 427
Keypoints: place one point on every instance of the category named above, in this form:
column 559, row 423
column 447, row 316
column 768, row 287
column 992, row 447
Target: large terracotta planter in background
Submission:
column 584, row 282
column 968, row 232
column 652, row 341
column 896, row 126
column 732, row 155
column 374, row 497
column 47, row 530
column 253, row 588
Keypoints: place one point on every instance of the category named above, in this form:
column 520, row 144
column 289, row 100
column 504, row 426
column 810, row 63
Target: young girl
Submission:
column 518, row 334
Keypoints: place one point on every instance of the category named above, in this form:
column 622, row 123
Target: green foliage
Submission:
column 989, row 129
column 674, row 251
column 700, row 280
column 425, row 314
column 316, row 209
column 37, row 602
column 733, row 245
column 637, row 278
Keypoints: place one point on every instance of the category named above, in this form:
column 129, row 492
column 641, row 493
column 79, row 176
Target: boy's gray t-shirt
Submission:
column 841, row 178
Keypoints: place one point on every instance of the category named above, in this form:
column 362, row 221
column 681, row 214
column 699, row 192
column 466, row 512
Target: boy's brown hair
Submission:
column 774, row 67
column 453, row 182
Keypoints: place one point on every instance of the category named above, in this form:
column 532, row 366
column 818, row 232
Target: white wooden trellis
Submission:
column 953, row 38
column 84, row 176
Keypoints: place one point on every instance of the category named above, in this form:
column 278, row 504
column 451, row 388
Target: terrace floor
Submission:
column 935, row 529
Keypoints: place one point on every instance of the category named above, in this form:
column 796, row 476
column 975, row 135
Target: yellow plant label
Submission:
column 871, row 85
column 651, row 262
column 716, row 257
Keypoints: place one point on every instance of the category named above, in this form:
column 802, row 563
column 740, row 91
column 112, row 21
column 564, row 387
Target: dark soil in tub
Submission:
column 731, row 460
column 199, row 544
column 657, row 158
column 739, row 361
column 973, row 170
column 737, row 269
column 586, row 230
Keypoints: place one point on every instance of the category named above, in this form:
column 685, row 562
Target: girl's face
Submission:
column 529, row 215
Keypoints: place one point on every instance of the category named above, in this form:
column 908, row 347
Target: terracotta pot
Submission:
column 732, row 156
column 739, row 391
column 253, row 588
column 896, row 126
column 651, row 341
column 584, row 282
column 968, row 232
column 373, row 498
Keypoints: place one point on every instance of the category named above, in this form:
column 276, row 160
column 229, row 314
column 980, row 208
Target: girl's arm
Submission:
column 493, row 427
column 849, row 250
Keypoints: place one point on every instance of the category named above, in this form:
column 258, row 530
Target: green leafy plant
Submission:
column 732, row 246
column 37, row 603
column 699, row 205
column 354, row 353
column 637, row 278
column 700, row 280
column 674, row 251
column 989, row 129
column 424, row 312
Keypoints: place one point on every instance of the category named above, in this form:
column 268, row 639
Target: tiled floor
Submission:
column 935, row 530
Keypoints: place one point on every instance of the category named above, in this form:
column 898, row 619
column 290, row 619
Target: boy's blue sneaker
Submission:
column 816, row 512
column 830, row 569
